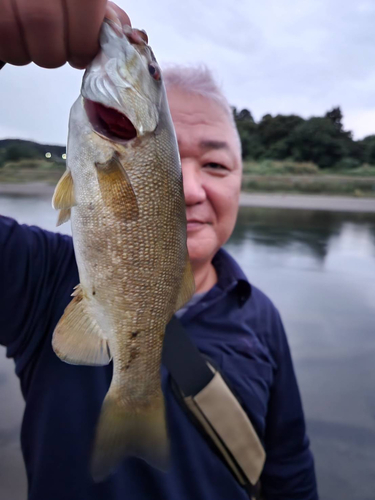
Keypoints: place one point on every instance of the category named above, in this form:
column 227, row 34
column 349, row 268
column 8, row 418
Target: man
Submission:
column 228, row 319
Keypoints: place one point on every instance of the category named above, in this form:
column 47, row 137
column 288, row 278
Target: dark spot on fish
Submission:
column 93, row 291
column 133, row 354
column 78, row 298
column 134, row 351
column 134, row 334
column 91, row 206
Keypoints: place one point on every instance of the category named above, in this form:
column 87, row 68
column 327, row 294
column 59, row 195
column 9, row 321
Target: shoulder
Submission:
column 263, row 304
column 258, row 305
column 258, row 312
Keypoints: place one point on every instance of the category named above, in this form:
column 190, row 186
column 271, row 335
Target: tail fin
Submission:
column 124, row 431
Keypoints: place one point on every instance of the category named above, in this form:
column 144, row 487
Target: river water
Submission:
column 319, row 269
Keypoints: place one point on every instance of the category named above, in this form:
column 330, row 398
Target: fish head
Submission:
column 122, row 87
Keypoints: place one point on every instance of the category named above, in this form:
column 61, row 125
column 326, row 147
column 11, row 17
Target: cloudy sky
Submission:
column 274, row 56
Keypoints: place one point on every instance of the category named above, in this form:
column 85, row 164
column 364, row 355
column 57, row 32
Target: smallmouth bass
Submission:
column 123, row 193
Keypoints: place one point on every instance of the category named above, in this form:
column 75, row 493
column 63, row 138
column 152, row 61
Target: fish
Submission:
column 122, row 191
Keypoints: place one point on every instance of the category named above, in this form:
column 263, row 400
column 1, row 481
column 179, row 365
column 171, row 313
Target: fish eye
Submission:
column 154, row 71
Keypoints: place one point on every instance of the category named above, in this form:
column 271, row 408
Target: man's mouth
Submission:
column 109, row 122
column 194, row 224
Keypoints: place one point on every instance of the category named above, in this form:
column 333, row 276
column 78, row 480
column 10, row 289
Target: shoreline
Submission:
column 330, row 203
column 256, row 200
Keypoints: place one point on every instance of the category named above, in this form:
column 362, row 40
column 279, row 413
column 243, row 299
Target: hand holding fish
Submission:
column 51, row 32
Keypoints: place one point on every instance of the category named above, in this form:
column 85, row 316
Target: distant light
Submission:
column 48, row 155
column 63, row 156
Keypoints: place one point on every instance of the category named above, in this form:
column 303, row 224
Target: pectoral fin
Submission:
column 187, row 286
column 116, row 189
column 78, row 339
column 63, row 197
column 64, row 216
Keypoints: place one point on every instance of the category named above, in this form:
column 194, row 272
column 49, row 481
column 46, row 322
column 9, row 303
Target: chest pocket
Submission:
column 249, row 368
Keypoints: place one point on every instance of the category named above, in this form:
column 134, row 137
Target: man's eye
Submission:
column 216, row 166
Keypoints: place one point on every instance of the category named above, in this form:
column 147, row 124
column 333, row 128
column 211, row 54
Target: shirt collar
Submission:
column 230, row 276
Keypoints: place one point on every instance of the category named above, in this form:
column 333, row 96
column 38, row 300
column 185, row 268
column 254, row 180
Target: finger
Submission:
column 134, row 35
column 44, row 31
column 12, row 45
column 84, row 21
column 142, row 34
column 124, row 18
column 112, row 16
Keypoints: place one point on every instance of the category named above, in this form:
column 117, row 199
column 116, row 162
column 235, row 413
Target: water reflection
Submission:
column 304, row 231
column 319, row 269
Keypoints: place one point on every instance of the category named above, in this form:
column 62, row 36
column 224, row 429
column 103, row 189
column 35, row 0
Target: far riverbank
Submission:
column 265, row 200
column 308, row 202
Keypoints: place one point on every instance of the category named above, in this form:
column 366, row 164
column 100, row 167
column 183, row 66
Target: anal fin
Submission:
column 78, row 339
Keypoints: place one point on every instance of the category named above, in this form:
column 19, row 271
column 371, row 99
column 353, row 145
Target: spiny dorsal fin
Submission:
column 116, row 189
column 187, row 285
column 78, row 339
column 63, row 197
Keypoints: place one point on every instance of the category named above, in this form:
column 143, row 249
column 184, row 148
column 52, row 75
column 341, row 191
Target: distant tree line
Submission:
column 321, row 140
column 13, row 150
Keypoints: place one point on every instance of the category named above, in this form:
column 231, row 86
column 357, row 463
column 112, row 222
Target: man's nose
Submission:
column 194, row 191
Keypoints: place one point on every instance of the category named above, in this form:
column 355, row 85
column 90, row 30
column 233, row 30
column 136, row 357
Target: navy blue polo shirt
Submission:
column 235, row 324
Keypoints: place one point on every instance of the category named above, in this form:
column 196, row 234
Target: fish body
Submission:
column 123, row 193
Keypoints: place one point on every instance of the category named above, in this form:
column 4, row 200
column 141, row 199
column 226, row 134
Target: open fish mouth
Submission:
column 109, row 122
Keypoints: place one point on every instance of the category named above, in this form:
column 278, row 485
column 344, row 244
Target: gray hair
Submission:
column 198, row 80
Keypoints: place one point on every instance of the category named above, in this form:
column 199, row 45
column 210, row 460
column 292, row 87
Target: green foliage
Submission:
column 317, row 141
column 247, row 130
column 19, row 151
column 271, row 167
column 347, row 164
column 279, row 150
column 335, row 116
column 251, row 146
column 320, row 140
column 364, row 170
column 30, row 164
column 272, row 130
column 14, row 150
column 243, row 116
column 315, row 184
column 368, row 149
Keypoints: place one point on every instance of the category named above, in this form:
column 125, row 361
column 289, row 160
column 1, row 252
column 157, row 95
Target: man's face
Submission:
column 211, row 169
